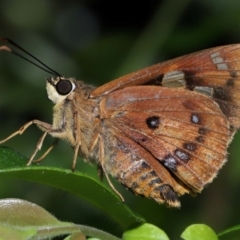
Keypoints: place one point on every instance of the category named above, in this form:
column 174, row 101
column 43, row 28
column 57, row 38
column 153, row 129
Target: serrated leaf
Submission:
column 13, row 165
column 145, row 231
column 199, row 232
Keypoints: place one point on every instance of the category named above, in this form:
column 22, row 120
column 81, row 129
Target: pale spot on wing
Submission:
column 207, row 91
column 218, row 61
column 174, row 79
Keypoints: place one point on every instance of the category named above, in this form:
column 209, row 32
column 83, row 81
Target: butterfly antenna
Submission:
column 44, row 67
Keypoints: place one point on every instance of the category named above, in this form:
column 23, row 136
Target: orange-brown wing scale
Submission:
column 160, row 129
column 217, row 68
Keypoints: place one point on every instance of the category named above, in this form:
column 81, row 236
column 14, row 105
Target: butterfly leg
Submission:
column 76, row 150
column 42, row 125
column 91, row 149
column 100, row 172
column 56, row 140
column 101, row 160
column 46, row 127
column 77, row 140
column 38, row 147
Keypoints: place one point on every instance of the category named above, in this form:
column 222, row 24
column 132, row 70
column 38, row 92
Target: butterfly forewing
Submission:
column 214, row 72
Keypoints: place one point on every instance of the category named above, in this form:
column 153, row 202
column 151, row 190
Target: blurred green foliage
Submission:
column 98, row 41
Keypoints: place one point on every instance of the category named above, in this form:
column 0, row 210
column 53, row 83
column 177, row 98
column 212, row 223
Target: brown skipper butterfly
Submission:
column 162, row 131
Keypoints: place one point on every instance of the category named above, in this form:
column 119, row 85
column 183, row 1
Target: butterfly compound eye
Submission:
column 64, row 87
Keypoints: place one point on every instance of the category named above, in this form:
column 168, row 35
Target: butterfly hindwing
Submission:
column 184, row 131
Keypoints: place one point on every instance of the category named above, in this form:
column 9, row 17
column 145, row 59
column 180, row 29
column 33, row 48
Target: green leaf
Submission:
column 77, row 236
column 11, row 233
column 20, row 219
column 13, row 165
column 21, row 213
column 232, row 233
column 145, row 231
column 199, row 232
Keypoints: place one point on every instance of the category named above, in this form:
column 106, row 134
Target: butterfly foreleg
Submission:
column 46, row 127
column 42, row 125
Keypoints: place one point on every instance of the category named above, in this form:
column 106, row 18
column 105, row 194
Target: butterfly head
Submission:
column 59, row 88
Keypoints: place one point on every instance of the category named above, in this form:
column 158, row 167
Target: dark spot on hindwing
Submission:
column 233, row 74
column 153, row 173
column 134, row 185
column 143, row 139
column 153, row 122
column 190, row 146
column 195, row 118
column 170, row 162
column 167, row 193
column 200, row 139
column 155, row 181
column 144, row 177
column 202, row 130
column 230, row 82
column 150, row 175
column 144, row 165
column 232, row 129
column 182, row 155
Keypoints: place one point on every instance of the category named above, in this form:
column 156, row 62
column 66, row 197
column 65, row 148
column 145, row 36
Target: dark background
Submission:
column 98, row 41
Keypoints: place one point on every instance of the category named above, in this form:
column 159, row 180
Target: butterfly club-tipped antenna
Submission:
column 38, row 63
